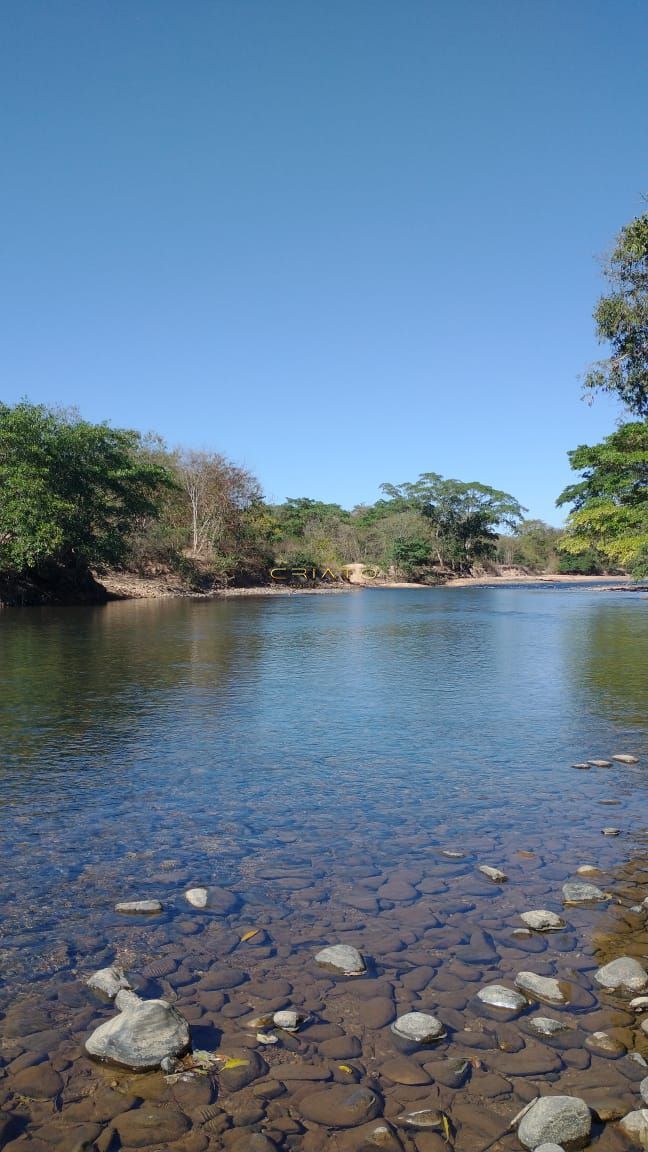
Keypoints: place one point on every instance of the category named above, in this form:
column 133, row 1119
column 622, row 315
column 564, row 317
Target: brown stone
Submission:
column 400, row 1070
column 342, row 1048
column 151, row 1125
column 341, row 1106
column 377, row 1013
column 39, row 1082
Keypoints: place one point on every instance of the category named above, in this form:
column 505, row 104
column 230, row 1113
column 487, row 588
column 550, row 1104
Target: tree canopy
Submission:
column 70, row 491
column 622, row 321
column 610, row 504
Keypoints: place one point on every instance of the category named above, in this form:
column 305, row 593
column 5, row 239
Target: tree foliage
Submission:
column 70, row 491
column 610, row 502
column 622, row 321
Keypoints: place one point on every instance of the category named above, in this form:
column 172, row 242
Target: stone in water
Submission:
column 343, row 957
column 625, row 973
column 420, row 1027
column 197, row 897
column 563, row 1120
column 541, row 920
column 541, row 987
column 500, row 997
column 493, row 874
column 141, row 1036
column 109, row 981
column 575, row 893
column 138, row 907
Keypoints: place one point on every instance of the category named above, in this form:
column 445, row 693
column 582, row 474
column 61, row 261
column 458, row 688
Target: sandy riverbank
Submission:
column 128, row 586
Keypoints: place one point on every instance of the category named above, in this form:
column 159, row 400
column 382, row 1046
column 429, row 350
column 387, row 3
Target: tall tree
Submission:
column 610, row 502
column 463, row 516
column 622, row 321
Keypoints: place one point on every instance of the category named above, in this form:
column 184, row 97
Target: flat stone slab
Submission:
column 343, row 958
column 562, row 1120
column 625, row 973
column 577, row 893
column 625, row 758
column 541, row 987
column 138, row 907
column 419, row 1027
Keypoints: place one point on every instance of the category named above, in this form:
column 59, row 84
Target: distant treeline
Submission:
column 77, row 498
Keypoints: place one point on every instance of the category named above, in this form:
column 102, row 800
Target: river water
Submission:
column 313, row 758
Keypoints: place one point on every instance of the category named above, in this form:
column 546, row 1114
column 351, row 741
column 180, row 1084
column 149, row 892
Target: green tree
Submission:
column 463, row 516
column 622, row 321
column 70, row 491
column 610, row 502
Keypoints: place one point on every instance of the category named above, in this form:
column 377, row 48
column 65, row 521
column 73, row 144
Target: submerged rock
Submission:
column 340, row 1106
column 108, row 981
column 138, row 907
column 541, row 987
column 545, row 1026
column 141, row 1036
column 603, row 1045
column 500, row 997
column 541, row 920
column 343, row 957
column 576, row 893
column 625, row 973
column 494, row 874
column 197, row 897
column 563, row 1120
column 419, row 1027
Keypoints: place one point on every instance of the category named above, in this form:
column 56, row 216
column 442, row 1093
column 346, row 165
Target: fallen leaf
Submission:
column 345, row 1068
column 249, row 935
column 234, row 1062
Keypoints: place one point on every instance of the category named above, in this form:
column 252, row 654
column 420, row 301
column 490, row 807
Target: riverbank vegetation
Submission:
column 81, row 499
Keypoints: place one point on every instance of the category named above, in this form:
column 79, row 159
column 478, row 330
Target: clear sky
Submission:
column 342, row 242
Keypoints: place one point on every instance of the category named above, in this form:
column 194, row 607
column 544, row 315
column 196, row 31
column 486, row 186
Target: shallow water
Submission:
column 315, row 756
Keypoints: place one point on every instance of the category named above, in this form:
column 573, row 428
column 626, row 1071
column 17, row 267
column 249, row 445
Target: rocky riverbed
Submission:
column 418, row 997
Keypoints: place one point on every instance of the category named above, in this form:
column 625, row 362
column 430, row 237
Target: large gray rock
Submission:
column 419, row 1027
column 643, row 1088
column 108, row 981
column 144, row 1032
column 635, row 1127
column 541, row 920
column 564, row 1120
column 541, row 987
column 625, row 973
column 497, row 996
column 577, row 893
column 343, row 957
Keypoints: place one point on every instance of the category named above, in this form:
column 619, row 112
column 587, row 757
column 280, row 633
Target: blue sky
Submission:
column 341, row 242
